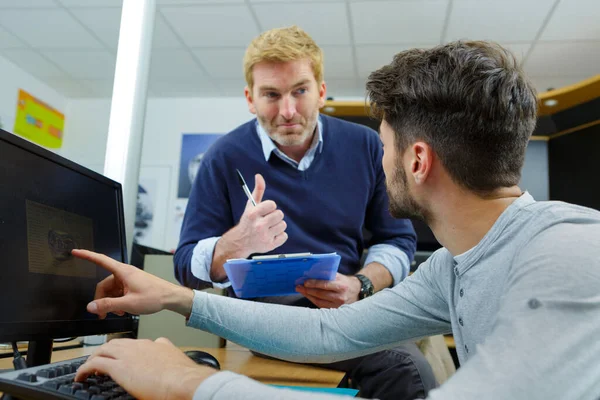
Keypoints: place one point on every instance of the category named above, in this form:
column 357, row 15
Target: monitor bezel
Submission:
column 40, row 330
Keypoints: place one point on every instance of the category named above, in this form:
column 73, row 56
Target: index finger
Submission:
column 98, row 259
column 322, row 284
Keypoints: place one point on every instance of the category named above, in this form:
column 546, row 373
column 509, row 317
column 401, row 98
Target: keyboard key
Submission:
column 82, row 394
column 80, row 386
column 27, row 377
column 69, row 368
column 67, row 389
column 46, row 373
column 51, row 385
column 100, row 397
column 94, row 390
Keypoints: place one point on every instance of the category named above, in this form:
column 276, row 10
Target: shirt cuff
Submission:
column 392, row 258
column 202, row 260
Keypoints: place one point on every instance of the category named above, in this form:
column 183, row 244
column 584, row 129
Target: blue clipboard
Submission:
column 278, row 275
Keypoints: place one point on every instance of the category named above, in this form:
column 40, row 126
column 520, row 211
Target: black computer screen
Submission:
column 49, row 205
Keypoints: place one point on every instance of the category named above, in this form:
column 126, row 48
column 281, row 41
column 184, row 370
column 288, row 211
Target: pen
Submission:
column 245, row 187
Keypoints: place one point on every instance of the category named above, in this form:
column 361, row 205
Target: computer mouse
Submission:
column 202, row 357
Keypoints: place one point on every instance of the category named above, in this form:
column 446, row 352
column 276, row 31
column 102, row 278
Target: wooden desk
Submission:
column 22, row 346
column 239, row 359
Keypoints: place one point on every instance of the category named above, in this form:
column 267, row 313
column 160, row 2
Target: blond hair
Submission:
column 282, row 45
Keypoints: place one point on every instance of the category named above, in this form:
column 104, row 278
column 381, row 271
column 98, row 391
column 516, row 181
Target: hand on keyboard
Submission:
column 146, row 369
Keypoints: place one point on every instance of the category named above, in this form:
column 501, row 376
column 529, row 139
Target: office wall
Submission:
column 534, row 176
column 12, row 79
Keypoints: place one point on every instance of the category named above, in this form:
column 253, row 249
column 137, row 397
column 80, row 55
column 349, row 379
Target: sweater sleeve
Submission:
column 208, row 214
column 409, row 310
column 384, row 228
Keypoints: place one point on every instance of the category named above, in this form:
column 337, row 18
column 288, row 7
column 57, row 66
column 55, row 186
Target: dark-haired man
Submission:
column 516, row 282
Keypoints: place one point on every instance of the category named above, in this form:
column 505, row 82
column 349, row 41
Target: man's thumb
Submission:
column 259, row 188
column 102, row 307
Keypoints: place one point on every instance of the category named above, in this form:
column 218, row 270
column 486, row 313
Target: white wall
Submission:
column 12, row 79
column 166, row 120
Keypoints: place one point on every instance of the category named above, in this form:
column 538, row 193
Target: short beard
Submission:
column 402, row 205
column 293, row 140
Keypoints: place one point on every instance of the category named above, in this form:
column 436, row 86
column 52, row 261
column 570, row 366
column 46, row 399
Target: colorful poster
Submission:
column 38, row 122
column 193, row 147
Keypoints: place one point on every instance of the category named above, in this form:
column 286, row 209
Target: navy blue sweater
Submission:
column 326, row 207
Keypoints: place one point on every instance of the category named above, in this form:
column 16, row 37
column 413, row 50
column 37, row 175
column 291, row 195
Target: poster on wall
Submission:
column 175, row 224
column 38, row 121
column 151, row 207
column 193, row 147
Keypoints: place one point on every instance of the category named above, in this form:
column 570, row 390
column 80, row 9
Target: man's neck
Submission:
column 463, row 218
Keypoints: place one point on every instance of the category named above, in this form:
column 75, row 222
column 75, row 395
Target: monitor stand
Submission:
column 39, row 352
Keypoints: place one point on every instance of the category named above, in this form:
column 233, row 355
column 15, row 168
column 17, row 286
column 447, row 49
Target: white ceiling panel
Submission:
column 231, row 87
column 315, row 18
column 502, row 21
column 92, row 64
column 386, row 22
column 564, row 59
column 370, row 58
column 518, row 49
column 193, row 2
column 178, row 64
column 32, row 62
column 104, row 22
column 163, row 37
column 27, row 3
column 69, row 87
column 344, row 87
column 206, row 26
column 99, row 87
column 9, row 41
column 47, row 29
column 91, row 3
column 572, row 21
column 222, row 63
column 295, row 1
column 338, row 62
column 184, row 88
column 198, row 45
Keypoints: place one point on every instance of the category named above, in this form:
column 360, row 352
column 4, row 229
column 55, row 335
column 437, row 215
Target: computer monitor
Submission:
column 48, row 206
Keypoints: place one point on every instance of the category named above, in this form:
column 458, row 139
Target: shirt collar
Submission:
column 268, row 146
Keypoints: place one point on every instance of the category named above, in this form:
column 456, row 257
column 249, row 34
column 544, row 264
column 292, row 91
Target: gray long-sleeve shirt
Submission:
column 523, row 306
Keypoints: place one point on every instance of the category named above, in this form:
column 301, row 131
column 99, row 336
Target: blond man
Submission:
column 318, row 183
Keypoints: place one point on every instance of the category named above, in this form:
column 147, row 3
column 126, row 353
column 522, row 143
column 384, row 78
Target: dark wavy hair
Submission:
column 469, row 100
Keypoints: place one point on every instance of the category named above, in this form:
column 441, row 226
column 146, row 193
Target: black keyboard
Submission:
column 55, row 381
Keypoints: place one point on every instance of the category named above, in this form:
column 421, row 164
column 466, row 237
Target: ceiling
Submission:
column 198, row 44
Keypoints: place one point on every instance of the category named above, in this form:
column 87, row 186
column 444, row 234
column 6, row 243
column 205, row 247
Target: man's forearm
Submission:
column 378, row 274
column 226, row 248
column 178, row 299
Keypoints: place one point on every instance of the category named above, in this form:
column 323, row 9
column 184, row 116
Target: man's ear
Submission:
column 322, row 94
column 422, row 161
column 249, row 100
